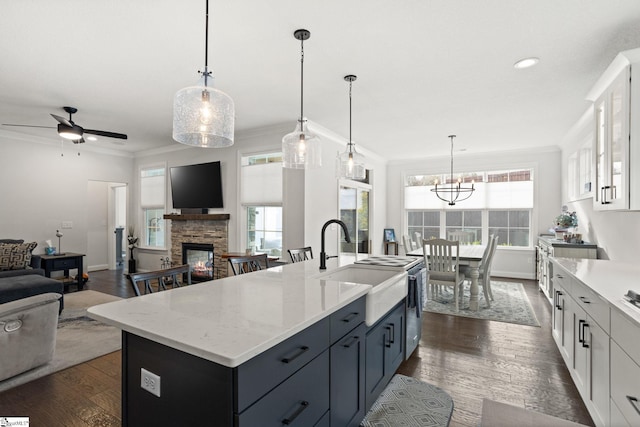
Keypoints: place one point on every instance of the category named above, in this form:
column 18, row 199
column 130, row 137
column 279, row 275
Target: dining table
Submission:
column 470, row 256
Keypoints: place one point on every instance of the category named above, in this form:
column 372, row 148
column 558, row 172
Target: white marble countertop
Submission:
column 609, row 279
column 231, row 320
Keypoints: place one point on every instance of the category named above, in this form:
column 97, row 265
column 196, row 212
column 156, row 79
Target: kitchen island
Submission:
column 271, row 347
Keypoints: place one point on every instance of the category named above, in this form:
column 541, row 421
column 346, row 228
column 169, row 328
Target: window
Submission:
column 264, row 229
column 502, row 204
column 152, row 203
column 261, row 199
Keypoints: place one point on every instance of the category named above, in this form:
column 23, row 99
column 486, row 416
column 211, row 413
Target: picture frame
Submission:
column 389, row 235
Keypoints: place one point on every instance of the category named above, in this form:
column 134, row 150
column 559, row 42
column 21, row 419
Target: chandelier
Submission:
column 202, row 115
column 453, row 192
column 350, row 163
column 301, row 148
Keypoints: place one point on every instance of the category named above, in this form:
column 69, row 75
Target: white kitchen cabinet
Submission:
column 549, row 247
column 616, row 98
column 563, row 318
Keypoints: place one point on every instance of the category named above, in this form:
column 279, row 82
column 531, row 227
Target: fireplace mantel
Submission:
column 197, row 217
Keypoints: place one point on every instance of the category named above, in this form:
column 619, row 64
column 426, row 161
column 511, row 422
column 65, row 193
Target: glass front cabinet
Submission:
column 616, row 98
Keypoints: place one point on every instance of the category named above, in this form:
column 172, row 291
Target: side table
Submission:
column 64, row 262
column 394, row 247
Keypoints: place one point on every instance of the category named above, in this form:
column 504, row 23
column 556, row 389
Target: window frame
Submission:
column 144, row 208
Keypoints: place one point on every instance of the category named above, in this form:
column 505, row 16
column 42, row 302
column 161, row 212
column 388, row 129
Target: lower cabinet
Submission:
column 347, row 379
column 384, row 352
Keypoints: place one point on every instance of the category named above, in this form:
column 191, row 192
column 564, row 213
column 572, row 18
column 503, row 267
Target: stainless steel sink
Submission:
column 388, row 287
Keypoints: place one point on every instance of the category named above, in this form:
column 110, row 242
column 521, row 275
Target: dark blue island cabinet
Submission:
column 384, row 352
column 314, row 378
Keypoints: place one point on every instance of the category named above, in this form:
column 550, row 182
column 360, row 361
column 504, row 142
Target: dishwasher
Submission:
column 417, row 277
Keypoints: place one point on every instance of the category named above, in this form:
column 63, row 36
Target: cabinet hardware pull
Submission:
column 352, row 341
column 303, row 405
column 559, row 276
column 603, row 195
column 392, row 338
column 580, row 331
column 634, row 403
column 584, row 334
column 350, row 317
column 584, row 300
column 387, row 343
column 300, row 352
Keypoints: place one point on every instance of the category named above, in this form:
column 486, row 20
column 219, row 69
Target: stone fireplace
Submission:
column 197, row 230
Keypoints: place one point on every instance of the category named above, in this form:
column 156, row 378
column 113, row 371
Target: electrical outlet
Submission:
column 150, row 382
column 67, row 224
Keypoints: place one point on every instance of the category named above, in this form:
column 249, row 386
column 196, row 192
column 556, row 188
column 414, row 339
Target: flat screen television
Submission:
column 196, row 186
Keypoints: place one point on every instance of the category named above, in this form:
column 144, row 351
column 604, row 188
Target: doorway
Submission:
column 354, row 205
column 107, row 212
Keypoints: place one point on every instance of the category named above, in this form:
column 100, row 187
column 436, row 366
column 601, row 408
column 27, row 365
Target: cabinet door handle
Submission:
column 580, row 331
column 300, row 352
column 634, row 403
column 303, row 405
column 603, row 195
column 392, row 335
column 352, row 341
column 584, row 300
column 583, row 325
column 387, row 343
column 350, row 317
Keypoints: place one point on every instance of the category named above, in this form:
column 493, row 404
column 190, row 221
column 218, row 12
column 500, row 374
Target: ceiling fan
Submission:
column 69, row 130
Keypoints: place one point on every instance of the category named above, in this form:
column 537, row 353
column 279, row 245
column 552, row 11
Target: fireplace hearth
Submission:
column 200, row 257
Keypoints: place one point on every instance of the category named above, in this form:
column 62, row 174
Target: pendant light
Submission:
column 301, row 148
column 202, row 115
column 350, row 164
column 453, row 192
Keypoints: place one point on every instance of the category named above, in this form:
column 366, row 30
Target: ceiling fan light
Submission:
column 203, row 117
column 73, row 133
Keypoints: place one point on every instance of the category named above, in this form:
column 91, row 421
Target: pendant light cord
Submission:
column 451, row 174
column 301, row 81
column 350, row 141
column 206, row 72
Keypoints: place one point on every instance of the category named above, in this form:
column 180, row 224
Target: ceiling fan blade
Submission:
column 105, row 133
column 28, row 126
column 62, row 120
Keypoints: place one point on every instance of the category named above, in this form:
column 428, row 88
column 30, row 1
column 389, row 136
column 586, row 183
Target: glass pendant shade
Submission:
column 301, row 148
column 350, row 164
column 203, row 116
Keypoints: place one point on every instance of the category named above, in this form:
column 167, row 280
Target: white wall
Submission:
column 508, row 262
column 97, row 244
column 39, row 188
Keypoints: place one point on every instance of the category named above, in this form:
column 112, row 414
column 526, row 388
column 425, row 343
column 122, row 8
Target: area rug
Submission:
column 408, row 402
column 79, row 338
column 510, row 304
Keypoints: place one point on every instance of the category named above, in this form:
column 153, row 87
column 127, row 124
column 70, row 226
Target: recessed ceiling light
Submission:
column 526, row 63
column 92, row 138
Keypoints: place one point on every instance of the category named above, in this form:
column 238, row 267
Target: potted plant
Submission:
column 132, row 244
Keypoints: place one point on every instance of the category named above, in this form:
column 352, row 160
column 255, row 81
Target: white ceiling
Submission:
column 425, row 68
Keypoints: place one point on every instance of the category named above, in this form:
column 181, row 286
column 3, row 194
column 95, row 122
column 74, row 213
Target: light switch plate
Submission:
column 67, row 224
column 150, row 382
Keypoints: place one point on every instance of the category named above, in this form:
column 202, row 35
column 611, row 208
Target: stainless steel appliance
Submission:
column 416, row 293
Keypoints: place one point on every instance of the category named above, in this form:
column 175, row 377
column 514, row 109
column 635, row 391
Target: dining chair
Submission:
column 248, row 264
column 464, row 237
column 417, row 238
column 484, row 269
column 300, row 254
column 173, row 277
column 441, row 257
column 408, row 243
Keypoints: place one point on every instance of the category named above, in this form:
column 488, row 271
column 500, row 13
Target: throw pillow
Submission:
column 16, row 256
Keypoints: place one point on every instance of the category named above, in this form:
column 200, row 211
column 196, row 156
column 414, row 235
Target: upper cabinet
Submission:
column 616, row 142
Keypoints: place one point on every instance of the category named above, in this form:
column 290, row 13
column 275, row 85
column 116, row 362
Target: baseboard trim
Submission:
column 97, row 267
column 513, row 275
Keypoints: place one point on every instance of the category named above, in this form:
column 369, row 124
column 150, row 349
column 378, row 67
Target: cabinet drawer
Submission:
column 595, row 306
column 625, row 333
column 561, row 278
column 616, row 418
column 257, row 376
column 347, row 318
column 625, row 385
column 64, row 264
column 302, row 399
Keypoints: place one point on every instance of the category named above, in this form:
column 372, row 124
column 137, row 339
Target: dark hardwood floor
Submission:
column 470, row 359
